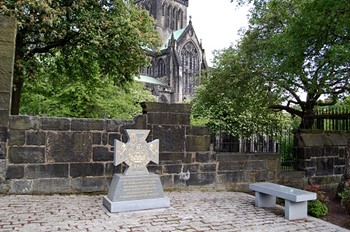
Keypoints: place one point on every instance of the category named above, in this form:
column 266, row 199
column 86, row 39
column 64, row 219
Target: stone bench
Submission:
column 295, row 199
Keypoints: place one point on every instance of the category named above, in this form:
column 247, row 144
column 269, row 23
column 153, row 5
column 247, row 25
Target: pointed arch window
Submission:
column 173, row 19
column 163, row 9
column 161, row 68
column 168, row 17
column 189, row 60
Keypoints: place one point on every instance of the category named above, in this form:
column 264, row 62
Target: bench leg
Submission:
column 264, row 200
column 295, row 210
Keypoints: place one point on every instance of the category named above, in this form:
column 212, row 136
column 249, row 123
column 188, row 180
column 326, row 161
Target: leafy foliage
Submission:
column 301, row 48
column 232, row 98
column 317, row 209
column 112, row 33
column 63, row 90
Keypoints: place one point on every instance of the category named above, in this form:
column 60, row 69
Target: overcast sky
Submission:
column 217, row 23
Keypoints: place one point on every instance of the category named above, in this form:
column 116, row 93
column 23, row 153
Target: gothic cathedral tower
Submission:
column 171, row 15
column 181, row 58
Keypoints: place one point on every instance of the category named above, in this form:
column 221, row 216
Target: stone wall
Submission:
column 65, row 155
column 321, row 155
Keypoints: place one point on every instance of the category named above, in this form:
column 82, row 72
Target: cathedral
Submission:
column 176, row 67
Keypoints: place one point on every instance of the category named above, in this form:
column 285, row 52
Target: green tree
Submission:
column 232, row 98
column 302, row 49
column 112, row 33
column 62, row 90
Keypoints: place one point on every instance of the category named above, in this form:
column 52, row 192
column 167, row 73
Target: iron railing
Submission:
column 262, row 141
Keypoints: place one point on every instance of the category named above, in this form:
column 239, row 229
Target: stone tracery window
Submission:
column 190, row 63
column 163, row 9
column 161, row 68
column 173, row 19
column 180, row 16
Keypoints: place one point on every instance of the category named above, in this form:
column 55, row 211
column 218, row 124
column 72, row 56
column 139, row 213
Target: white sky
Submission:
column 217, row 23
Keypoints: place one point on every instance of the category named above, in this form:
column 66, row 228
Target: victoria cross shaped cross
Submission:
column 136, row 153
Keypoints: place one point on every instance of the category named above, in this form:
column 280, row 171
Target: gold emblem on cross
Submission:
column 136, row 153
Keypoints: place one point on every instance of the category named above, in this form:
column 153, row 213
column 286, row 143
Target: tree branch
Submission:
column 290, row 110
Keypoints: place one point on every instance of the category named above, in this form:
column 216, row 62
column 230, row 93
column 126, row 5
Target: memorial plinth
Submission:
column 136, row 188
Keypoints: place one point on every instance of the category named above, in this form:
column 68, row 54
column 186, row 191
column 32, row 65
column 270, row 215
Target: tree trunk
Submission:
column 307, row 119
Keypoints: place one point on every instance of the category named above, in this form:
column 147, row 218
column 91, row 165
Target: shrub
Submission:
column 345, row 199
column 317, row 209
column 321, row 195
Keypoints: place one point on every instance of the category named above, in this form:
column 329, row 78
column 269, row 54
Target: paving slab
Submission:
column 189, row 211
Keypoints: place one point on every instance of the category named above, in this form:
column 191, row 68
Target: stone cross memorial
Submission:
column 136, row 188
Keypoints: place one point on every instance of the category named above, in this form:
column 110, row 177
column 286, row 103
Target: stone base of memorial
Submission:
column 139, row 192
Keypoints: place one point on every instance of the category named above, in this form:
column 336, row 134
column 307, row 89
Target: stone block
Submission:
column 309, row 172
column 55, row 124
column 331, row 151
column 69, row 147
column 230, row 166
column 35, row 138
column 171, row 138
column 339, row 170
column 197, row 143
column 191, row 168
column 88, row 184
column 198, row 179
column 21, row 186
column 167, row 181
column 315, row 140
column 261, row 176
column 24, row 122
column 15, row 172
column 115, row 136
column 208, row 167
column 177, row 157
column 315, row 151
column 2, row 169
column 16, row 137
column 21, row 155
column 110, row 169
column 237, row 176
column 46, row 171
column 5, row 85
column 99, row 138
column 155, row 168
column 172, row 169
column 113, row 125
column 256, row 165
column 148, row 107
column 140, row 122
column 342, row 152
column 205, row 157
column 325, row 166
column 88, row 125
column 86, row 169
column 2, row 150
column 339, row 161
column 102, row 154
column 52, row 185
column 4, row 116
column 3, row 134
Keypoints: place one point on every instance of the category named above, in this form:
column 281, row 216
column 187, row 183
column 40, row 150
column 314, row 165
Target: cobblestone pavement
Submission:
column 189, row 211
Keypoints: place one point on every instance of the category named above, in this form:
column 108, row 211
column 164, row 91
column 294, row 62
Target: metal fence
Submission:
column 331, row 119
column 262, row 141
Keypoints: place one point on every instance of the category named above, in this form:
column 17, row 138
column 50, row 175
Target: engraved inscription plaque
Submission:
column 136, row 188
